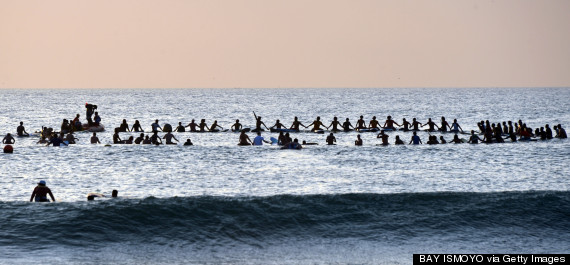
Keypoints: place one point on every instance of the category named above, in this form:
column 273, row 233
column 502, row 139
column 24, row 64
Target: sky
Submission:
column 284, row 43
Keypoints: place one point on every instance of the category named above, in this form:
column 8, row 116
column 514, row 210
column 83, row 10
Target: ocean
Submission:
column 216, row 202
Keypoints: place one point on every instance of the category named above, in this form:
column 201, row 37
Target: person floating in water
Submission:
column 21, row 131
column 389, row 123
column 40, row 193
column 137, row 127
column 358, row 141
column 293, row 145
column 168, row 137
column 316, row 125
column 91, row 196
column 331, row 139
column 415, row 139
column 244, row 139
column 188, row 142
column 236, row 127
column 8, row 139
column 296, row 124
column 258, row 140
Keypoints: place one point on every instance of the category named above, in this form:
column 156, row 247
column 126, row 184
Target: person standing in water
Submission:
column 95, row 139
column 244, row 139
column 415, row 139
column 358, row 141
column 331, row 139
column 40, row 193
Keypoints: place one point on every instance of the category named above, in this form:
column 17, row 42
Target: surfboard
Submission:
column 273, row 140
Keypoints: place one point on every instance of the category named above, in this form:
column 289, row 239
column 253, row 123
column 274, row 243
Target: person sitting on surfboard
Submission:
column 389, row 124
column 358, row 141
column 244, row 139
column 456, row 140
column 180, row 128
column 155, row 126
column 346, row 125
column 203, row 126
column 316, row 124
column 214, row 126
column 193, row 125
column 416, row 124
column 155, row 139
column 147, row 140
column 8, row 139
column 124, row 127
column 258, row 124
column 137, row 127
column 441, row 140
column 21, row 131
column 406, row 124
column 373, row 124
column 296, row 124
column 431, row 125
column 236, row 127
column 117, row 138
column 331, row 139
column 277, row 125
column 474, row 139
column 40, row 193
column 360, row 124
column 455, row 126
column 139, row 139
column 334, row 125
column 168, row 137
column 444, row 125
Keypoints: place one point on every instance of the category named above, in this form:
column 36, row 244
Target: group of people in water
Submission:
column 491, row 132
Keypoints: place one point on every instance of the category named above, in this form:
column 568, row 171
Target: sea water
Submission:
column 216, row 202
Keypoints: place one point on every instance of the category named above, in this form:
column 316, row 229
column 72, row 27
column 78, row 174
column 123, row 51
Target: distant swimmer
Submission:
column 203, row 126
column 316, row 124
column 474, row 139
column 147, row 140
column 64, row 128
column 525, row 133
column 76, row 123
column 455, row 126
column 137, row 127
column 278, row 125
column 293, row 145
column 561, row 132
column 70, row 138
column 236, row 127
column 188, row 142
column 361, row 124
column 331, row 140
column 431, row 125
column 92, row 195
column 384, row 137
column 129, row 140
column 193, row 126
column 548, row 131
column 389, row 124
column 415, row 139
column 258, row 140
column 416, row 124
column 442, row 140
column 56, row 141
column 21, row 131
column 139, row 139
column 335, row 124
column 346, row 125
column 180, row 128
column 309, row 143
column 8, row 139
column 155, row 139
column 244, row 139
column 296, row 124
column 215, row 126
column 97, row 119
column 432, row 139
column 258, row 124
column 456, row 140
column 398, row 140
column 116, row 137
column 444, row 125
column 155, row 126
column 124, row 127
column 41, row 192
column 406, row 124
column 358, row 141
column 373, row 124
column 168, row 137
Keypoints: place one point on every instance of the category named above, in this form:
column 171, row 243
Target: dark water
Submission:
column 195, row 226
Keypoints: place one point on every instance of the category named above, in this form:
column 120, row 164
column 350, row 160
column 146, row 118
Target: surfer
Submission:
column 296, row 124
column 316, row 125
column 293, row 145
column 455, row 126
column 139, row 139
column 406, row 124
column 384, row 137
column 416, row 124
column 361, row 124
column 40, row 193
column 358, row 141
column 137, row 127
column 258, row 140
column 147, row 140
column 389, row 124
column 444, row 125
column 21, row 131
column 456, row 139
column 474, row 139
column 155, row 126
column 244, row 139
column 117, row 138
column 415, row 139
column 155, row 139
column 56, row 141
column 236, row 127
column 431, row 125
column 561, row 133
column 346, row 125
column 335, row 124
column 373, row 124
column 398, row 140
column 124, row 127
column 180, row 128
column 8, row 139
column 193, row 125
column 258, row 124
column 442, row 140
column 70, row 138
column 331, row 139
column 214, row 127
column 277, row 125
column 168, row 137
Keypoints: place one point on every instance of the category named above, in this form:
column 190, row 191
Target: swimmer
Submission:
column 188, row 142
column 316, row 124
column 155, row 139
column 258, row 140
column 384, row 137
column 293, row 145
column 56, row 141
column 415, row 139
column 95, row 139
column 296, row 124
column 40, row 193
column 70, row 138
column 358, row 141
column 389, row 123
column 398, row 140
column 180, row 128
column 168, row 137
column 155, row 126
column 117, row 138
column 139, row 139
column 561, row 132
column 137, row 127
column 193, row 125
column 456, row 140
column 474, row 139
column 331, row 139
column 244, row 139
column 129, row 140
column 443, row 141
column 147, row 140
column 8, row 139
column 21, row 131
column 236, row 127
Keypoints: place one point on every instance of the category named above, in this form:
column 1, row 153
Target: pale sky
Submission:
column 290, row 43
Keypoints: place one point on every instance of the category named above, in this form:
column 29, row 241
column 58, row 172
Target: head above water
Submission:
column 42, row 183
column 114, row 193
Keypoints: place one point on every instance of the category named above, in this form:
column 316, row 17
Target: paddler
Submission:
column 40, row 193
column 389, row 124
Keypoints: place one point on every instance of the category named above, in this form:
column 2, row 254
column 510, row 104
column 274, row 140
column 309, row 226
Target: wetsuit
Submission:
column 40, row 194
